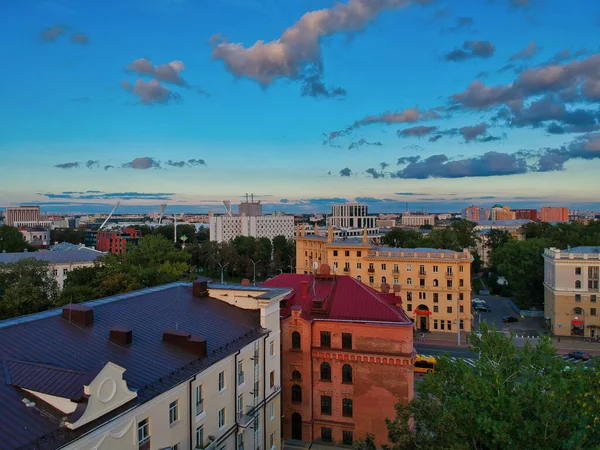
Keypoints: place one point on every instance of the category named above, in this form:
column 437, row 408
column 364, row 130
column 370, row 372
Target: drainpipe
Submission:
column 235, row 393
column 265, row 391
column 312, row 384
column 192, row 421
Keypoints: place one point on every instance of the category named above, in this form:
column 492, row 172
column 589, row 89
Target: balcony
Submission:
column 346, row 269
column 396, row 271
column 246, row 418
column 371, row 270
column 422, row 273
column 449, row 275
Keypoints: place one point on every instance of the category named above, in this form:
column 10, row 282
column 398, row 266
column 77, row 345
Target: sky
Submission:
column 436, row 103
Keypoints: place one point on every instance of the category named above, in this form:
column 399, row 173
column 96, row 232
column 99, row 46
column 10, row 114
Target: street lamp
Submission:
column 280, row 271
column 222, row 269
column 292, row 264
column 254, row 271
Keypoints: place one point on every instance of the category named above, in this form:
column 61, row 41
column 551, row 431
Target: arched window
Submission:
column 578, row 284
column 296, row 340
column 346, row 373
column 409, row 281
column 435, row 282
column 296, row 394
column 578, row 310
column 382, row 280
column 296, row 375
column 325, row 372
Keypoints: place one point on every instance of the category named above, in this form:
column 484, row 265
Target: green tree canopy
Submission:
column 11, row 240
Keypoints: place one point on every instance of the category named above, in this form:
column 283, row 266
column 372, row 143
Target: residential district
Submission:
column 347, row 329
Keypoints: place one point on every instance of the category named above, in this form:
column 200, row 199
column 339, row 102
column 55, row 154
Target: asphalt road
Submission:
column 528, row 326
column 458, row 352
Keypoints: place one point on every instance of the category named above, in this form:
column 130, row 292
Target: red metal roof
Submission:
column 343, row 298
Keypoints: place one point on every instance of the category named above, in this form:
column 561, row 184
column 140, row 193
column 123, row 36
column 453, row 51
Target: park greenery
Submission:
column 458, row 236
column 512, row 398
column 11, row 240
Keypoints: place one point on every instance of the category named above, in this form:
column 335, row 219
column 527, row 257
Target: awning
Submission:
column 423, row 312
column 576, row 322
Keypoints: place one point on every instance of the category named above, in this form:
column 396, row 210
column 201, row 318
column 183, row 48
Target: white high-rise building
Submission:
column 352, row 215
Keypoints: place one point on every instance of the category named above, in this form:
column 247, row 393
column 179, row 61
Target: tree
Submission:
column 513, row 398
column 11, row 240
column 74, row 236
column 397, row 237
column 368, row 443
column 497, row 238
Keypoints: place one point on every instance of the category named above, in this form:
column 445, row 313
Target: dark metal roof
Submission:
column 82, row 254
column 152, row 366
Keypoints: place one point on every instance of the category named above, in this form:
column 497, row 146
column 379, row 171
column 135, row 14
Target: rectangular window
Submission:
column 347, row 253
column 65, row 271
column 222, row 418
column 383, row 267
column 461, row 296
column 271, row 348
column 593, row 298
column 396, row 268
column 577, row 297
column 221, row 381
column 449, row 283
column 143, row 431
column 371, row 279
column 358, row 253
column 326, row 405
column 435, row 297
column 435, row 269
column 462, row 308
column 173, row 412
column 240, row 442
column 359, row 278
column 577, row 270
column 272, row 379
column 199, row 400
column 421, row 282
column 449, row 325
column 408, row 281
column 409, row 296
column 346, row 340
column 271, row 411
column 371, row 266
column 240, row 406
column 325, row 339
column 409, row 307
column 358, row 265
column 462, row 325
column 461, row 282
column 272, row 441
column 200, row 436
column 436, row 309
column 461, row 269
column 326, row 434
column 335, row 253
column 408, row 268
column 347, row 407
column 593, row 311
column 441, row 324
column 435, row 324
column 347, row 438
column 449, row 309
column 396, row 281
column 240, row 372
column 449, row 296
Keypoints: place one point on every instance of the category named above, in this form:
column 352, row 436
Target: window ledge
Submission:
column 223, row 427
column 201, row 416
column 174, row 423
column 222, row 390
column 242, row 386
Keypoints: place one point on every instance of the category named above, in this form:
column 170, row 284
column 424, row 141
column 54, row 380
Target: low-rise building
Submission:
column 571, row 291
column 513, row 226
column 348, row 358
column 417, row 220
column 178, row 366
column 38, row 237
column 61, row 262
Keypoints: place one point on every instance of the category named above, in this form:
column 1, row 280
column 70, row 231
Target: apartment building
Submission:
column 417, row 220
column 352, row 215
column 22, row 216
column 348, row 358
column 571, row 291
column 552, row 214
column 434, row 284
column 528, row 214
column 499, row 212
column 61, row 262
column 179, row 366
column 475, row 213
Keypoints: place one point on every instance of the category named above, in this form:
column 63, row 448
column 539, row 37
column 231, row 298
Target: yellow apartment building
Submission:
column 571, row 291
column 434, row 284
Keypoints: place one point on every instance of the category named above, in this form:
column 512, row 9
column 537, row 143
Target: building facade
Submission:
column 417, row 220
column 475, row 213
column 571, row 291
column 552, row 214
column 22, row 215
column 116, row 242
column 499, row 212
column 348, row 358
column 434, row 284
column 226, row 228
column 38, row 237
column 527, row 214
column 212, row 381
column 352, row 215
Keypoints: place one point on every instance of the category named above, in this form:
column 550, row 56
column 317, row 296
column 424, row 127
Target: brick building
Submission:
column 116, row 242
column 552, row 214
column 528, row 214
column 347, row 358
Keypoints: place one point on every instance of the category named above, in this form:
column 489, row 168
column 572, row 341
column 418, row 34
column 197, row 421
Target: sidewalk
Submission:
column 438, row 338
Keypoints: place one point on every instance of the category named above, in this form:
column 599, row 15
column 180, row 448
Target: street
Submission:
column 528, row 326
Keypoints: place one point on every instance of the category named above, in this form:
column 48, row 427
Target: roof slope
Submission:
column 47, row 339
column 82, row 254
column 343, row 297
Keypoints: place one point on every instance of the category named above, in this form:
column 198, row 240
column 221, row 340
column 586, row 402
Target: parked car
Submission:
column 580, row 355
column 484, row 307
column 509, row 319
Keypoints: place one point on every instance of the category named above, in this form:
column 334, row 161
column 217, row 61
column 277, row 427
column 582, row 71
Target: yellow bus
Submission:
column 425, row 364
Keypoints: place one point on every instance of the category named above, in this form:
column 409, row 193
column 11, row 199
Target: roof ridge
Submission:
column 380, row 300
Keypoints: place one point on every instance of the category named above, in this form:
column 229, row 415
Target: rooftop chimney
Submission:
column 186, row 341
column 304, row 289
column 385, row 288
column 78, row 314
column 121, row 335
column 200, row 288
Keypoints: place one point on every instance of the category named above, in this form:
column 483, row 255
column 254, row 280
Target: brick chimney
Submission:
column 385, row 288
column 121, row 335
column 78, row 314
column 304, row 289
column 200, row 288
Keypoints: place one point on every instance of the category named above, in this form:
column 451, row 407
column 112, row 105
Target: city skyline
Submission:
column 382, row 101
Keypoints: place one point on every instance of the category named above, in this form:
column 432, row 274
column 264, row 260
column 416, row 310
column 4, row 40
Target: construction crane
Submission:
column 110, row 215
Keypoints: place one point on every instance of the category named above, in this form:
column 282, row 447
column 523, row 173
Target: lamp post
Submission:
column 222, row 269
column 292, row 264
column 280, row 271
column 458, row 317
column 254, row 271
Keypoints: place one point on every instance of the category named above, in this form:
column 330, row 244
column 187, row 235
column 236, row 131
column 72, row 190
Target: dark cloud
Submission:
column 362, row 142
column 150, row 92
column 168, row 73
column 526, row 53
column 284, row 200
column 90, row 164
column 435, row 138
column 313, row 84
column 408, row 160
column 407, row 116
column 564, row 55
column 460, row 23
column 99, row 195
column 51, row 33
column 345, row 172
column 142, row 163
column 108, row 167
column 551, row 161
column 410, row 193
column 300, row 44
column 418, row 131
column 470, row 133
column 383, row 165
column 374, row 173
column 80, row 38
column 470, row 50
column 69, row 165
column 188, row 163
column 506, row 68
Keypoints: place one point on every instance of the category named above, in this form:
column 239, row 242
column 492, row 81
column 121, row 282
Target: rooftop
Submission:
column 342, row 298
column 503, row 223
column 48, row 354
column 82, row 254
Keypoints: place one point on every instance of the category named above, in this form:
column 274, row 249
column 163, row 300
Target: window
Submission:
column 578, row 284
column 577, row 270
column 461, row 282
column 272, row 379
column 383, row 267
column 358, row 253
column 325, row 372
column 347, row 438
column 272, row 440
column 143, row 432
column 577, row 297
column 347, row 407
column 449, row 309
column 396, row 268
column 240, row 372
column 256, row 390
column 421, row 282
column 435, row 269
column 359, row 278
column 449, row 325
column 326, row 435
column 326, row 405
column 593, row 298
column 347, row 253
column 421, row 270
column 271, row 348
column 346, row 340
column 346, row 373
column 408, row 268
column 335, row 252
column 222, row 418
column 408, row 281
column 296, row 375
column 325, row 339
column 240, row 442
column 409, row 307
column 296, row 394
column 371, row 279
column 441, row 324
column 593, row 311
column 296, row 340
column 358, row 265
column 409, row 296
column 221, row 381
column 461, row 296
column 462, row 325
column 240, row 406
column 435, row 297
column 423, row 295
column 435, row 282
column 461, row 269
column 271, row 411
column 173, row 412
column 335, row 266
column 462, row 308
column 55, row 272
column 283, row 304
column 435, row 324
column 199, row 400
column 449, row 283
column 65, row 271
column 371, row 266
column 436, row 309
column 449, row 296
column 449, row 270
column 200, row 436
column 383, row 280
column 396, row 281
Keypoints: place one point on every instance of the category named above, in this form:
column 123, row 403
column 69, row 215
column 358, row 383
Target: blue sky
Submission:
column 301, row 102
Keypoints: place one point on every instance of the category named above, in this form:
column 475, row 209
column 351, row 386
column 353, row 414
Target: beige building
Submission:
column 434, row 284
column 417, row 220
column 179, row 366
column 571, row 279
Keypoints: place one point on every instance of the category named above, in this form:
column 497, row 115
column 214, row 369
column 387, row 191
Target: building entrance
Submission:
column 297, row 426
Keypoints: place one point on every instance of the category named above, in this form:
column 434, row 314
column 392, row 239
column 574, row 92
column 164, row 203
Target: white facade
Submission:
column 417, row 220
column 352, row 215
column 40, row 235
column 227, row 228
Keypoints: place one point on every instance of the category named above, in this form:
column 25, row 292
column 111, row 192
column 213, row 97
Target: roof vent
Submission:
column 78, row 314
column 121, row 335
column 200, row 288
column 186, row 341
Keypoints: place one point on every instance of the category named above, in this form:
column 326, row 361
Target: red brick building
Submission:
column 528, row 214
column 552, row 214
column 116, row 242
column 347, row 358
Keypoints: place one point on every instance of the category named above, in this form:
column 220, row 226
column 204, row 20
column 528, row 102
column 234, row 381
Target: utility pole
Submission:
column 292, row 263
column 254, row 271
